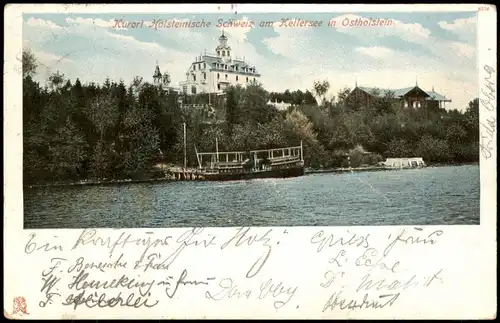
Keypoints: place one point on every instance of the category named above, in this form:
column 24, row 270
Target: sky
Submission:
column 432, row 49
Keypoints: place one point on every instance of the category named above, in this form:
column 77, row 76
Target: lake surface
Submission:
column 429, row 196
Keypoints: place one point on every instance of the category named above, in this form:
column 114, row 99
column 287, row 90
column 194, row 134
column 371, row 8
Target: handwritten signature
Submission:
column 489, row 126
column 381, row 301
column 277, row 291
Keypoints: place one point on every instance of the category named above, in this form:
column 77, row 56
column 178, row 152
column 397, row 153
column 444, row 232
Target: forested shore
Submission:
column 74, row 131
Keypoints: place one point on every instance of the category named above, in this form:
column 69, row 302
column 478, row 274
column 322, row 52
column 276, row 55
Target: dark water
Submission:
column 429, row 196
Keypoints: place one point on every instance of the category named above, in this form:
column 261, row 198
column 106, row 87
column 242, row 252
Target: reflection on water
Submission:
column 434, row 195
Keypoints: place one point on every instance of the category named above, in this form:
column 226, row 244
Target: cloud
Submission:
column 415, row 33
column 376, row 51
column 238, row 29
column 411, row 32
column 42, row 24
column 462, row 49
column 94, row 22
column 464, row 28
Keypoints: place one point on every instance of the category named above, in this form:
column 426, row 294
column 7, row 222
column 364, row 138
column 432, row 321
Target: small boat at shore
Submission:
column 404, row 163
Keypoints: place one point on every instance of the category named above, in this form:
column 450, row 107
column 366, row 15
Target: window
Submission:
column 218, row 53
column 406, row 104
column 194, row 67
column 414, row 104
column 204, row 65
column 247, row 78
column 204, row 75
column 228, row 53
column 226, row 76
column 184, row 89
column 254, row 79
column 194, row 78
column 236, row 77
column 218, row 86
column 223, row 53
column 225, row 66
column 218, row 76
column 193, row 89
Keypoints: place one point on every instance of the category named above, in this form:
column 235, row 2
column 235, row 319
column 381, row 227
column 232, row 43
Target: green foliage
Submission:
column 321, row 88
column 29, row 63
column 74, row 131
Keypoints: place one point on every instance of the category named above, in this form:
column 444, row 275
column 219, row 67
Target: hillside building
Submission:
column 212, row 73
column 414, row 96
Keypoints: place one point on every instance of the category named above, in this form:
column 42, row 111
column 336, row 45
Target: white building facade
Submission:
column 214, row 73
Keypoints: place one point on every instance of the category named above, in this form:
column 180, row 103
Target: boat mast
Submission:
column 185, row 154
column 197, row 156
column 217, row 149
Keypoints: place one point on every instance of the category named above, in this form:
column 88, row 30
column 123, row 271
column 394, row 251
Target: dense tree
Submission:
column 29, row 63
column 78, row 131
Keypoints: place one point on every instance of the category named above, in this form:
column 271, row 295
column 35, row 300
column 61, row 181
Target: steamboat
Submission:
column 242, row 165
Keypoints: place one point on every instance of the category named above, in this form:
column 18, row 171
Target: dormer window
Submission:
column 223, row 53
column 218, row 53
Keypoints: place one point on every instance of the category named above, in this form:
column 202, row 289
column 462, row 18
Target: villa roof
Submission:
column 211, row 60
column 398, row 93
column 157, row 72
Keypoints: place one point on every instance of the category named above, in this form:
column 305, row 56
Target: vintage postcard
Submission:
column 250, row 161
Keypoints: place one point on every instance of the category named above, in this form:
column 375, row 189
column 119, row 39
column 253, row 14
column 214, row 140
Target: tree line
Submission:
column 74, row 131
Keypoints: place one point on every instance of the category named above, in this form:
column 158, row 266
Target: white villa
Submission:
column 213, row 73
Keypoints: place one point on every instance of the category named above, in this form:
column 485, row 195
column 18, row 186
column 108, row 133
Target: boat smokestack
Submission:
column 301, row 152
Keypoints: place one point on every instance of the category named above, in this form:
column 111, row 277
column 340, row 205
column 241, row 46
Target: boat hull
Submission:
column 272, row 173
